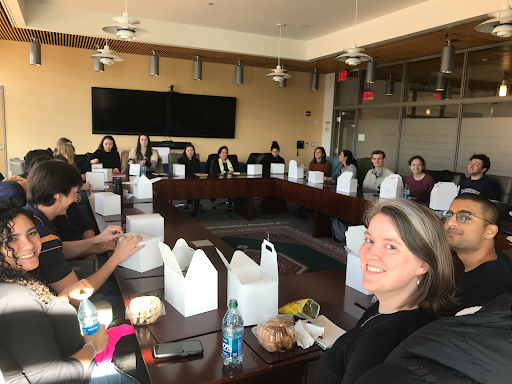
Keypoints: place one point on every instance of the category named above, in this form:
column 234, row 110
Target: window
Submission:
column 387, row 87
column 347, row 85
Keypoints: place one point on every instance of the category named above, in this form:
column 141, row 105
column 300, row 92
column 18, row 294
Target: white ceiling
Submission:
column 305, row 19
column 315, row 28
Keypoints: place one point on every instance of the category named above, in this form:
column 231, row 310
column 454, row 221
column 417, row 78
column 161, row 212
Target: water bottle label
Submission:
column 91, row 330
column 232, row 347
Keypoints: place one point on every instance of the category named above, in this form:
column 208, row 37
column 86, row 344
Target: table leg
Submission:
column 245, row 208
column 321, row 225
column 272, row 205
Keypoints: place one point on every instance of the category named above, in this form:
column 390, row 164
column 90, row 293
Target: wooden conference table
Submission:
column 327, row 287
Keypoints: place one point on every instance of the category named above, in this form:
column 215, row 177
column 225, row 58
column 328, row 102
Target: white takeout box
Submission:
column 254, row 169
column 346, row 183
column 294, row 171
column 195, row 293
column 143, row 189
column 254, row 286
column 178, row 169
column 107, row 173
column 96, row 166
column 392, row 187
column 146, row 258
column 354, row 274
column 442, row 196
column 107, row 203
column 277, row 168
column 134, row 170
column 316, row 177
column 151, row 224
column 96, row 179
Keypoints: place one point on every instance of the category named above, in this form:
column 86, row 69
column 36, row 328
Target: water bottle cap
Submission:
column 233, row 303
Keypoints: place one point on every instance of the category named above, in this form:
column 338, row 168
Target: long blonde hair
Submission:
column 68, row 151
column 60, row 142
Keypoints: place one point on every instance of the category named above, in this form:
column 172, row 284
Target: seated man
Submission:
column 477, row 182
column 52, row 188
column 376, row 176
column 471, row 226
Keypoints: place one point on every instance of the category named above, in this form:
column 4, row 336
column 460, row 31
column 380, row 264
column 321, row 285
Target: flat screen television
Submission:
column 129, row 112
column 201, row 116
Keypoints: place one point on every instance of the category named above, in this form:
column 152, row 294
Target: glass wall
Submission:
column 347, row 86
column 378, row 129
column 387, row 87
column 430, row 133
column 487, row 128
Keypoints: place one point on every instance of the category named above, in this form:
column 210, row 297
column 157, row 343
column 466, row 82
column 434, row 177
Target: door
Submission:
column 343, row 132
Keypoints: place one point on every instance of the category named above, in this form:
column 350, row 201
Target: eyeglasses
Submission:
column 461, row 216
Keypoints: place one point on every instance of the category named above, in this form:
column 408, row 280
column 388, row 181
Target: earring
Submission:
column 418, row 281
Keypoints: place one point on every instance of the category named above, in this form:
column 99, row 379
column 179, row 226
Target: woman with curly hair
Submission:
column 40, row 338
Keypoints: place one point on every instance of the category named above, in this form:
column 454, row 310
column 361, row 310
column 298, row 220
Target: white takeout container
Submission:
column 277, row 168
column 294, row 171
column 254, row 169
column 146, row 258
column 316, row 177
column 392, row 187
column 354, row 274
column 143, row 189
column 152, row 224
column 107, row 172
column 442, row 195
column 107, row 203
column 346, row 183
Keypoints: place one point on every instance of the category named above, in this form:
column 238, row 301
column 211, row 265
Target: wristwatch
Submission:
column 90, row 344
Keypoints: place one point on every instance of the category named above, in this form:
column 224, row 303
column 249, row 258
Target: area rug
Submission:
column 297, row 250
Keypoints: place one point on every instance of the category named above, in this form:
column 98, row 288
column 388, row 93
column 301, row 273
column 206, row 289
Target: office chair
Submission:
column 16, row 166
column 173, row 159
column 209, row 169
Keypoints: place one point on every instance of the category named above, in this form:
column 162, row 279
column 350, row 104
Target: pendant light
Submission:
column 315, row 77
column 500, row 25
column 154, row 64
column 281, row 84
column 125, row 28
column 353, row 55
column 440, row 81
column 35, row 52
column 106, row 55
column 448, row 91
column 98, row 65
column 279, row 73
column 197, row 69
column 390, row 86
column 447, row 57
column 371, row 70
column 239, row 74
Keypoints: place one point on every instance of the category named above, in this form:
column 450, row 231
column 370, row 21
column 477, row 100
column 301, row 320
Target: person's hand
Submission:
column 142, row 162
column 76, row 291
column 115, row 170
column 127, row 247
column 131, row 162
column 86, row 187
column 95, row 161
column 107, row 246
column 94, row 259
column 83, row 177
column 99, row 339
column 231, row 171
column 109, row 235
column 327, row 178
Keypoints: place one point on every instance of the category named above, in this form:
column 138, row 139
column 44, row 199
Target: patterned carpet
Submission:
column 298, row 251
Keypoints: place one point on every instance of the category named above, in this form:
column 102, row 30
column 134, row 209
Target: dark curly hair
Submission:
column 9, row 210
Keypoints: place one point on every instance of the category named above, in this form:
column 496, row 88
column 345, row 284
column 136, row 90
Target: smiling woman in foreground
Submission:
column 407, row 263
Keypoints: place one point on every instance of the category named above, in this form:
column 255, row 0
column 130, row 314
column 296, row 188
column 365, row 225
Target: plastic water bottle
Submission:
column 407, row 192
column 143, row 170
column 88, row 318
column 232, row 335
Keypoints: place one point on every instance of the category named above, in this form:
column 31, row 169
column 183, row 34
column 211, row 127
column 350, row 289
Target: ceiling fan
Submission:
column 279, row 73
column 106, row 55
column 125, row 27
column 500, row 25
column 353, row 56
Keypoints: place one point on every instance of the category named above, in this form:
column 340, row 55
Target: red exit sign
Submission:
column 342, row 76
column 436, row 96
column 368, row 95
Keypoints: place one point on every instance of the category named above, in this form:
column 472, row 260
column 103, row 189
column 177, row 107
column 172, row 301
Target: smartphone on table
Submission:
column 177, row 349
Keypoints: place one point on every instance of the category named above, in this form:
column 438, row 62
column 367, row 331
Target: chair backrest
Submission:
column 364, row 164
column 234, row 162
column 504, row 184
column 255, row 158
column 209, row 161
column 334, row 161
column 17, row 166
column 173, row 157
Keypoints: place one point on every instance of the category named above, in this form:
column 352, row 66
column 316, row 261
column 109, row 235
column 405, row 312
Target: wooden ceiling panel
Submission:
column 412, row 47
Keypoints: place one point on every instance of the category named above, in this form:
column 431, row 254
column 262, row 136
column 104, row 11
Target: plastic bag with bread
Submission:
column 277, row 333
column 144, row 310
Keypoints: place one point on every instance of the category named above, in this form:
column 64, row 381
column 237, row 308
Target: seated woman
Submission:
column 107, row 154
column 60, row 142
column 272, row 158
column 191, row 162
column 223, row 166
column 420, row 184
column 143, row 154
column 32, row 319
column 347, row 163
column 406, row 261
column 320, row 163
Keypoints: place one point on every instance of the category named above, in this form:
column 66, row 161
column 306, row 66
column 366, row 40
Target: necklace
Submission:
column 370, row 318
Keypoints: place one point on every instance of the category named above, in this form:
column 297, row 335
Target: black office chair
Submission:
column 209, row 169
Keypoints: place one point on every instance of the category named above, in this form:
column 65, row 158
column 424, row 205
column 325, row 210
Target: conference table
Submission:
column 342, row 304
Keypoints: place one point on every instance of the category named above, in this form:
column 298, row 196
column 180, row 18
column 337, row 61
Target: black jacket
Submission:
column 454, row 350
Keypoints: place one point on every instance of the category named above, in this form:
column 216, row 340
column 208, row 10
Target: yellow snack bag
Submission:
column 306, row 308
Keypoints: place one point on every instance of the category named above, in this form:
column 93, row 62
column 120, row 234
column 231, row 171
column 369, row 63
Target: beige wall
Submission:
column 54, row 100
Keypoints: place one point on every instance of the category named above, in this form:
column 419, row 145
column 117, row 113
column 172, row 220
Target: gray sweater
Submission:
column 37, row 339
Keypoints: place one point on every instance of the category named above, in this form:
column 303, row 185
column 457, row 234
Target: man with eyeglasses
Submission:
column 471, row 226
column 477, row 182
